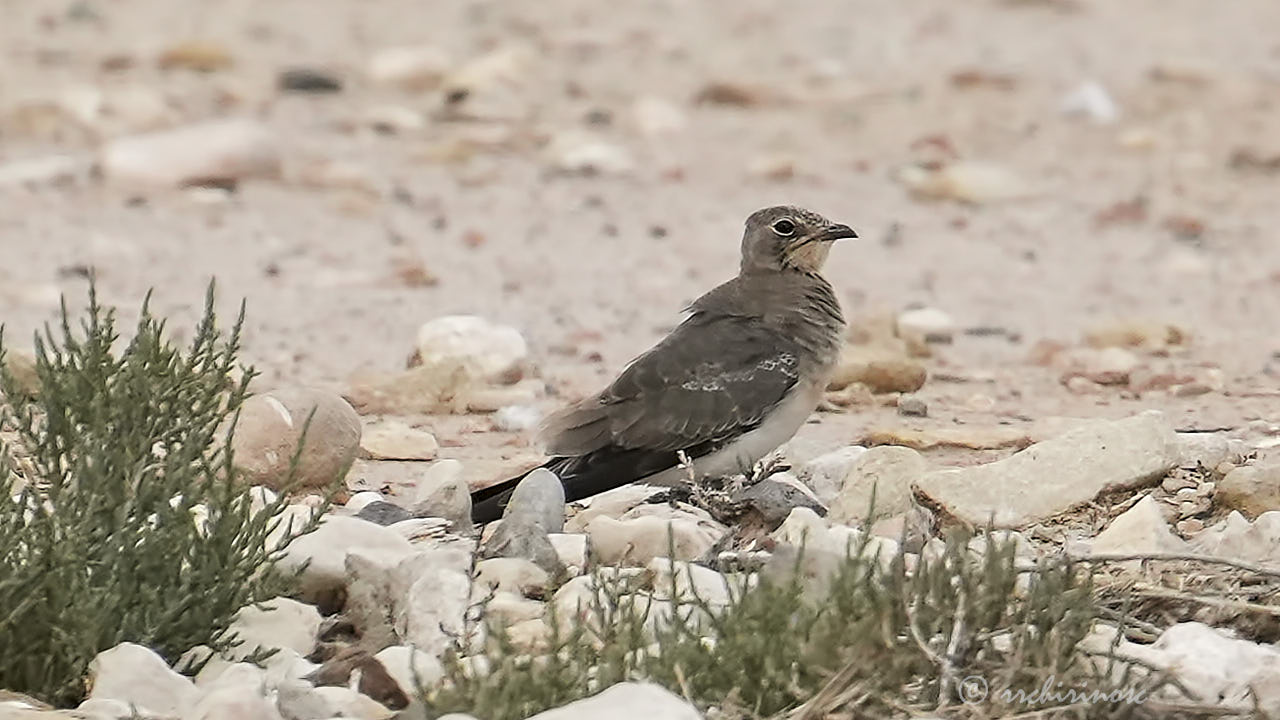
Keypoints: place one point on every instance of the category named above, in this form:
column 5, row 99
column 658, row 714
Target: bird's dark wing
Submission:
column 712, row 378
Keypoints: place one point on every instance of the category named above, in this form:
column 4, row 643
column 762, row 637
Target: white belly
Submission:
column 742, row 454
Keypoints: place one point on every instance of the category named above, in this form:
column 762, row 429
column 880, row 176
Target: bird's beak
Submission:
column 837, row 232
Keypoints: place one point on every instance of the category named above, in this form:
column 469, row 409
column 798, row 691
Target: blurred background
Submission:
column 1048, row 178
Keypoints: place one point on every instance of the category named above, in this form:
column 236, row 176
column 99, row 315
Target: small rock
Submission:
column 495, row 353
column 1091, row 100
column 539, row 499
column 516, row 418
column 417, row 530
column 197, row 55
column 443, row 493
column 1211, row 663
column 411, row 668
column 928, row 324
column 612, row 503
column 360, row 500
column 1209, row 449
column 271, row 427
column 825, row 474
column 626, row 701
column 391, row 440
column 383, row 513
column 415, row 68
column 883, row 475
column 573, row 551
column 233, row 703
column 509, row 608
column 881, row 375
column 309, row 80
column 1140, row 529
column 655, row 116
column 1137, row 334
column 1057, row 474
column 731, row 93
column 220, row 152
column 978, row 183
column 513, row 575
column 434, row 610
column 272, row 625
column 1236, row 537
column 580, row 153
column 488, row 87
column 970, row 438
column 912, row 406
column 638, row 541
column 1251, row 489
column 324, row 552
column 773, row 501
column 492, row 399
column 675, row 580
column 1106, row 366
column 135, row 675
column 349, row 703
column 520, row 537
column 776, row 166
column 400, row 120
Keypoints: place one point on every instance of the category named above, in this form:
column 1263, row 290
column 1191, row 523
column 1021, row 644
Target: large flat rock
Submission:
column 1056, row 475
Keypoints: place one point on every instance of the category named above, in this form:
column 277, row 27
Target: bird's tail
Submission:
column 582, row 477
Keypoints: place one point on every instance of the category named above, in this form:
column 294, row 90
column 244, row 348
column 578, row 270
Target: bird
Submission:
column 731, row 383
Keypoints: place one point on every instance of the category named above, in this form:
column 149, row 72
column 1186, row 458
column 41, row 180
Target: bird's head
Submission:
column 789, row 238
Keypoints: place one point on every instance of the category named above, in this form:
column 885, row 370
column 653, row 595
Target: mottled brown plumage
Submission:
column 730, row 384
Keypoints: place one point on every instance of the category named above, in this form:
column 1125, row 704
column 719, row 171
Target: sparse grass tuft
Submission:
column 126, row 521
column 872, row 641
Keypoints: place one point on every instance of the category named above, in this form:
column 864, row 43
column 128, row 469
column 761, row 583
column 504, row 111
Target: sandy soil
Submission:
column 593, row 270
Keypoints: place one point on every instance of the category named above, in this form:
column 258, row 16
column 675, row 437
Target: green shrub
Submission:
column 873, row 642
column 129, row 523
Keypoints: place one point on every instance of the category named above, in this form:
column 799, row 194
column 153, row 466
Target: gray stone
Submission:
column 883, row 476
column 443, row 493
column 522, row 537
column 626, row 701
column 775, row 500
column 1251, row 489
column 271, row 427
column 1058, row 474
column 911, row 406
column 384, row 513
column 538, row 498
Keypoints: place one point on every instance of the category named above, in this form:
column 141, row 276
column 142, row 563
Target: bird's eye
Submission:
column 784, row 227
